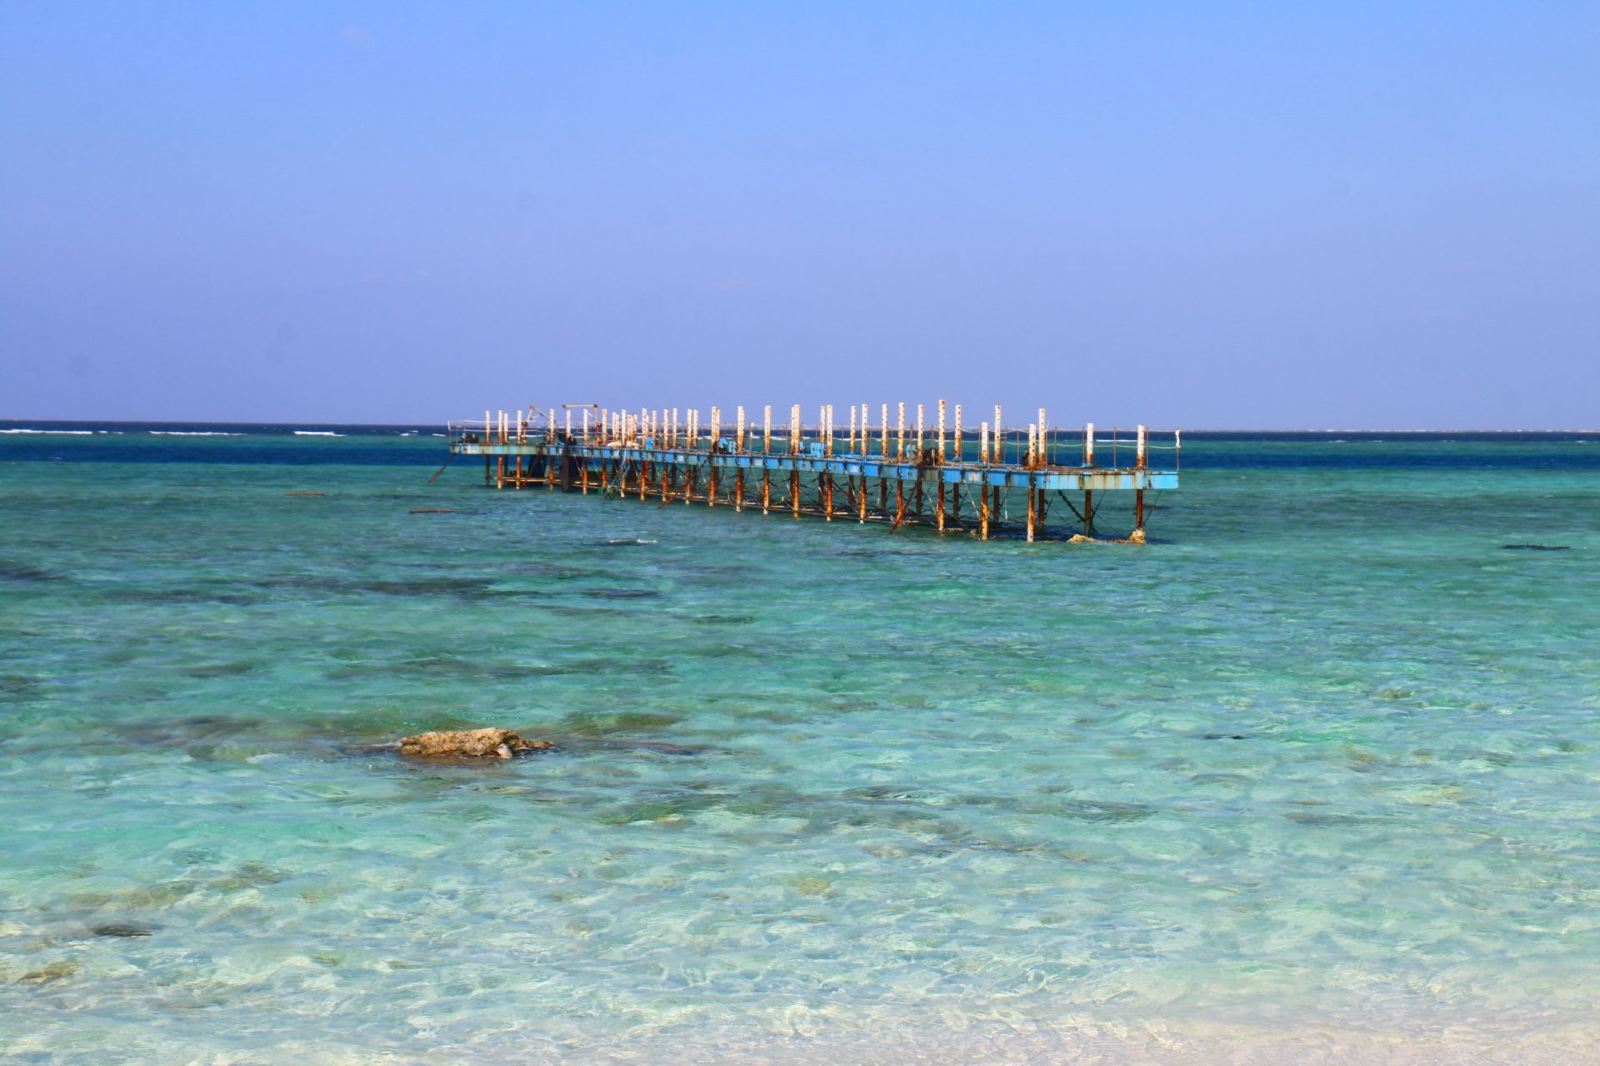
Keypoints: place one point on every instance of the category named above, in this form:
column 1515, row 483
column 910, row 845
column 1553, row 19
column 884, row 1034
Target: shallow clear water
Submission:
column 1317, row 770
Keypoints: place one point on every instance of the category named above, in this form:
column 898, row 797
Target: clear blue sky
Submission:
column 1205, row 215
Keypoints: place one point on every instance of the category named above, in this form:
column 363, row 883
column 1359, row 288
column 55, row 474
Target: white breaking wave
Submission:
column 55, row 432
column 316, row 433
column 192, row 433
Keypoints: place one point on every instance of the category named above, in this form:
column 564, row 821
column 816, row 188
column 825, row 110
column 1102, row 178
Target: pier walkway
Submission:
column 985, row 483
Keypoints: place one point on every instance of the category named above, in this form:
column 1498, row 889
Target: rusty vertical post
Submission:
column 738, row 471
column 900, row 457
column 1033, row 513
column 983, row 496
column 1140, row 463
column 826, row 477
column 916, row 456
column 1088, row 495
column 711, row 461
column 794, row 450
column 766, row 449
column 691, row 428
column 883, row 449
column 1041, row 461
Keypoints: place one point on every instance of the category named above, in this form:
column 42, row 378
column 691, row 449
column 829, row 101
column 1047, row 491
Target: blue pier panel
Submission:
column 1063, row 479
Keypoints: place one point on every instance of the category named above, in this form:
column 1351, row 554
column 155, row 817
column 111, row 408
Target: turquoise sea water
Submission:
column 1317, row 772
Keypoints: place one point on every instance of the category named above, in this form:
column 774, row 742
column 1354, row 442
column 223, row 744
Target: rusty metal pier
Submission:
column 992, row 482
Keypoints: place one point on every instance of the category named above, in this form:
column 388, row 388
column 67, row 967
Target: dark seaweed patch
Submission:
column 21, row 572
column 427, row 586
column 183, row 596
column 1536, row 547
column 470, row 587
column 17, row 686
column 556, row 570
column 122, row 929
column 233, row 669
column 622, row 594
column 591, row 723
column 189, row 728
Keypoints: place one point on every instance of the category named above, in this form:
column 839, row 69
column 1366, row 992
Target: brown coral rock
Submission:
column 470, row 743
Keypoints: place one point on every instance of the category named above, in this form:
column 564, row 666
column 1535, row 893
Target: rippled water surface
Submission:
column 1315, row 773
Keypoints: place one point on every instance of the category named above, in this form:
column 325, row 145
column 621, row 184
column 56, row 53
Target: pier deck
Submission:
column 907, row 476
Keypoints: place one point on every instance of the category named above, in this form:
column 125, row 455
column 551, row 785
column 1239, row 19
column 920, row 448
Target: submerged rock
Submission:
column 122, row 929
column 470, row 743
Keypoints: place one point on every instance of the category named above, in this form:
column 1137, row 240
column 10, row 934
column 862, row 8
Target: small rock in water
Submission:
column 470, row 743
column 120, row 929
column 56, row 971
